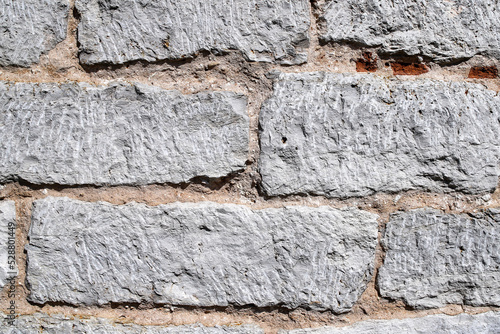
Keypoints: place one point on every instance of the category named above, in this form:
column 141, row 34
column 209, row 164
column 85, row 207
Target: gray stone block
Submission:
column 121, row 31
column 346, row 135
column 30, row 28
column 444, row 31
column 202, row 254
column 56, row 324
column 485, row 323
column 433, row 259
column 7, row 232
column 74, row 133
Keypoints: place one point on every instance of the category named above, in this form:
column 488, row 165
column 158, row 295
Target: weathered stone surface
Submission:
column 75, row 133
column 7, row 219
column 344, row 135
column 433, row 324
column 30, row 28
column 434, row 258
column 120, row 31
column 202, row 254
column 56, row 324
column 443, row 31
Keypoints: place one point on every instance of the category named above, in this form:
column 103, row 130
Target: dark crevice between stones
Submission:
column 212, row 183
column 229, row 309
column 353, row 44
column 208, row 182
column 388, row 57
column 77, row 17
column 402, row 57
column 316, row 10
column 103, row 66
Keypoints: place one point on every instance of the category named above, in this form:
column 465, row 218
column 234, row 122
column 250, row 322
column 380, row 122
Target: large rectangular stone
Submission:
column 344, row 135
column 441, row 31
column 121, row 31
column 485, row 323
column 75, row 133
column 57, row 324
column 434, row 258
column 202, row 254
column 8, row 267
column 30, row 28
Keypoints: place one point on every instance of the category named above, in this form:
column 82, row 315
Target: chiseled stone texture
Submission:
column 346, row 135
column 485, row 323
column 115, row 32
column 443, row 31
column 74, row 133
column 56, row 324
column 434, row 258
column 202, row 254
column 30, row 28
column 7, row 216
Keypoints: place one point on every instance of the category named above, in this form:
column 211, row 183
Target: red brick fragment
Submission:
column 483, row 72
column 409, row 68
column 368, row 63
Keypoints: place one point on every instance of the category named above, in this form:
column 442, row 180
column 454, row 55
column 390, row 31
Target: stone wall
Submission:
column 237, row 166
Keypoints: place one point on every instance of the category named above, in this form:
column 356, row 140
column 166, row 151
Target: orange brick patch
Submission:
column 483, row 72
column 409, row 68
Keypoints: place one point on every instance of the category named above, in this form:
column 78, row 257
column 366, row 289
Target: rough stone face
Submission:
column 30, row 28
column 116, row 32
column 443, row 31
column 202, row 254
column 7, row 217
column 343, row 135
column 459, row 324
column 56, row 324
column 433, row 258
column 118, row 134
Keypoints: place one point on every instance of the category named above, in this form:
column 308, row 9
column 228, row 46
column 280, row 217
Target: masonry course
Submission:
column 433, row 259
column 56, row 324
column 347, row 135
column 441, row 31
column 202, row 254
column 75, row 133
column 7, row 216
column 121, row 31
column 460, row 324
column 30, row 28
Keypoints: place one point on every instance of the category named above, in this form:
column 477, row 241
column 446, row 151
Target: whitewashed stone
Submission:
column 30, row 28
column 442, row 31
column 74, row 133
column 202, row 254
column 433, row 259
column 116, row 32
column 8, row 269
column 346, row 135
column 57, row 324
column 484, row 323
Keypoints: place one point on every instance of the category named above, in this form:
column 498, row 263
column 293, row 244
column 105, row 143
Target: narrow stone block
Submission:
column 75, row 133
column 202, row 254
column 460, row 324
column 122, row 31
column 40, row 323
column 435, row 259
column 8, row 267
column 348, row 135
column 30, row 28
column 441, row 31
